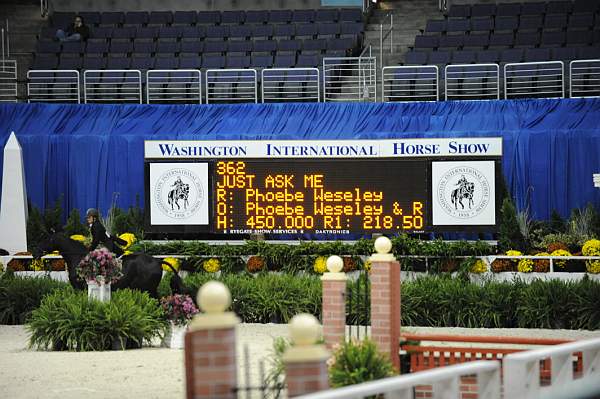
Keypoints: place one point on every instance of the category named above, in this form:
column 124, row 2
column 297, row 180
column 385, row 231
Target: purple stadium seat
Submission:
column 315, row 46
column 564, row 53
column 215, row 47
column 45, row 61
column 213, row 61
column 217, row 32
column 284, row 60
column 326, row 15
column 440, row 57
column 70, row 63
column 350, row 15
column 476, row 41
column 47, row 46
column 435, row 26
column 537, row 55
column 483, row 24
column 501, row 40
column 111, row 19
column 237, row 61
column 307, row 61
column 142, row 63
column 73, row 47
column 508, row 10
column 190, row 62
column 585, row 6
column 588, row 53
column 143, row 46
column 451, row 42
column 90, row 18
column 60, row 20
column 459, row 11
column 553, row 38
column 118, row 63
column 488, row 57
column 349, row 28
column 289, row 45
column 506, row 24
column 531, row 22
column 264, row 46
column 416, row 58
column 257, row 17
column 535, row 8
column 169, row 32
column 167, row 47
column 555, row 21
column 596, row 36
column 146, row 33
column 284, row 31
column 240, row 32
column 280, row 16
column 93, row 63
column 208, row 17
column 511, row 55
column 327, row 30
column 559, row 7
column 123, row 33
column 262, row 31
column 426, row 42
column 463, row 57
column 458, row 26
column 96, row 46
column 160, row 18
column 166, row 63
column 339, row 44
column 121, row 46
column 136, row 18
column 235, row 17
column 261, row 61
column 483, row 10
column 193, row 33
column 242, row 46
column 188, row 48
column 527, row 39
column 303, row 16
column 306, row 31
column 101, row 33
column 579, row 38
column 184, row 17
column 581, row 21
column 48, row 33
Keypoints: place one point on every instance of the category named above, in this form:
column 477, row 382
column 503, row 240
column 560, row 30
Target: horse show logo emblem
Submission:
column 179, row 193
column 463, row 192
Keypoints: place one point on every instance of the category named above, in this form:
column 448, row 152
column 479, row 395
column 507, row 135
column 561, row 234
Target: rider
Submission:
column 462, row 181
column 99, row 234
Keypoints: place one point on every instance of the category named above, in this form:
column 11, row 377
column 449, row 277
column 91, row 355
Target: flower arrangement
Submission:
column 555, row 246
column 349, row 264
column 525, row 266
column 592, row 248
column 37, row 265
column 78, row 237
column 255, row 264
column 541, row 265
column 514, row 252
column 18, row 265
column 368, row 265
column 320, row 265
column 100, row 265
column 129, row 237
column 174, row 262
column 479, row 267
column 560, row 252
column 179, row 309
column 211, row 265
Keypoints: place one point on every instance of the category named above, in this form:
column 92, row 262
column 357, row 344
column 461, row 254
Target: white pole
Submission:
column 3, row 63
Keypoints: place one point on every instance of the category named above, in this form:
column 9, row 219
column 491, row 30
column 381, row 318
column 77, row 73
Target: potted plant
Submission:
column 99, row 269
column 179, row 310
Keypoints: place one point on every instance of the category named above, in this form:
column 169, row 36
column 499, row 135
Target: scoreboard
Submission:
column 335, row 187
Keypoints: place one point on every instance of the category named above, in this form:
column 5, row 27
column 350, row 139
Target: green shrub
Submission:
column 67, row 320
column 356, row 362
column 21, row 295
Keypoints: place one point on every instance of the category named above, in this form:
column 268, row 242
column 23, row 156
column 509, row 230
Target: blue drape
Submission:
column 89, row 152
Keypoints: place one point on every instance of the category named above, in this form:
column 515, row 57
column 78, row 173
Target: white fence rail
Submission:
column 231, row 85
column 350, row 79
column 8, row 81
column 522, row 371
column 112, row 85
column 445, row 382
column 472, row 82
column 584, row 77
column 290, row 84
column 174, row 86
column 410, row 83
column 534, row 79
column 53, row 86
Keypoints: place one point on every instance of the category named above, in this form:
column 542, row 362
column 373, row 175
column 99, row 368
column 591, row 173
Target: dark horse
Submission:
column 140, row 271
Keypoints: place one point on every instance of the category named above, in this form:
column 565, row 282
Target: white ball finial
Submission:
column 214, row 297
column 335, row 264
column 304, row 329
column 383, row 245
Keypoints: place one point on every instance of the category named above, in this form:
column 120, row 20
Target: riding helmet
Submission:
column 92, row 212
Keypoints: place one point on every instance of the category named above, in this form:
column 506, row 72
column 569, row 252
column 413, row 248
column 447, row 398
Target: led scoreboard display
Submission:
column 338, row 187
column 320, row 196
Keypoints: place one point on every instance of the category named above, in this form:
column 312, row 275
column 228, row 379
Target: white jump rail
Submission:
column 472, row 81
column 531, row 79
column 290, row 84
column 445, row 382
column 50, row 85
column 174, row 85
column 410, row 83
column 231, row 85
column 8, row 81
column 349, row 79
column 584, row 76
column 522, row 371
column 112, row 85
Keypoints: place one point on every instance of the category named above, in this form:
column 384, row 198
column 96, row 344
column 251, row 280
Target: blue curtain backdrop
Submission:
column 89, row 152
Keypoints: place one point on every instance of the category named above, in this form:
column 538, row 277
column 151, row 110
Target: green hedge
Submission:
column 67, row 320
column 19, row 296
column 432, row 301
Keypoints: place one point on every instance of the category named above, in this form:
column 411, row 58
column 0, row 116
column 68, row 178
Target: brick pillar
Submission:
column 385, row 300
column 210, row 358
column 334, row 302
column 305, row 362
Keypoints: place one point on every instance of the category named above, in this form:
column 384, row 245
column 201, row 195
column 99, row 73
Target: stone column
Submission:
column 305, row 361
column 210, row 358
column 385, row 300
column 334, row 302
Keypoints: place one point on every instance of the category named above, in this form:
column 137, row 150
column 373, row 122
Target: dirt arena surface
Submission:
column 152, row 372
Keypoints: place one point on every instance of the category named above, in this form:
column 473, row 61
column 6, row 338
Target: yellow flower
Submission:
column 129, row 237
column 513, row 252
column 479, row 267
column 127, row 252
column 78, row 237
column 368, row 265
column 171, row 261
column 560, row 252
column 320, row 265
column 211, row 265
column 37, row 265
column 525, row 266
column 592, row 248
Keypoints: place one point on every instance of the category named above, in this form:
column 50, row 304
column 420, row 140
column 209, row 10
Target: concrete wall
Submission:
column 180, row 5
